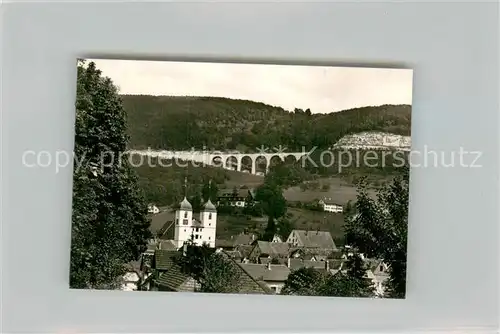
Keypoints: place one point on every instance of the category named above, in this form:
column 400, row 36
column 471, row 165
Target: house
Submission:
column 240, row 239
column 175, row 280
column 314, row 254
column 274, row 276
column 311, row 239
column 132, row 277
column 380, row 272
column 277, row 238
column 247, row 283
column 244, row 239
column 163, row 260
column 332, row 266
column 275, row 250
column 153, row 209
column 167, row 245
column 330, row 206
column 236, row 197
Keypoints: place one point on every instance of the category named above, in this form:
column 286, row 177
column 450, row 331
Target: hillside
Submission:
column 178, row 123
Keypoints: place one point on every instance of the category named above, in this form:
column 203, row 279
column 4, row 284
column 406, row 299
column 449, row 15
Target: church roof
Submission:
column 209, row 207
column 185, row 205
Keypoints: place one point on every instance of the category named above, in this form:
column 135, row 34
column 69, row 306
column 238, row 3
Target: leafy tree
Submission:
column 342, row 285
column 196, row 203
column 380, row 227
column 212, row 270
column 303, row 282
column 109, row 224
column 220, row 275
column 210, row 190
column 356, row 267
column 284, row 228
column 356, row 270
column 273, row 204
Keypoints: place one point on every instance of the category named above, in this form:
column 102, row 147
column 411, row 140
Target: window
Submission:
column 210, row 216
column 209, row 224
column 184, row 230
column 185, row 214
column 177, row 221
column 196, row 236
column 381, row 268
column 208, row 238
column 185, row 222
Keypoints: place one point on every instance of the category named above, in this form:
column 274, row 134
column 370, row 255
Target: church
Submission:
column 187, row 227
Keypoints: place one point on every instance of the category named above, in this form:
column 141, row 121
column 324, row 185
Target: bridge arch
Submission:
column 217, row 161
column 275, row 160
column 261, row 162
column 247, row 164
column 232, row 162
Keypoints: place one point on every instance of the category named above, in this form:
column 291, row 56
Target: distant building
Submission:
column 329, row 206
column 380, row 271
column 201, row 231
column 276, row 238
column 273, row 250
column 236, row 198
column 240, row 239
column 311, row 239
column 153, row 209
column 273, row 275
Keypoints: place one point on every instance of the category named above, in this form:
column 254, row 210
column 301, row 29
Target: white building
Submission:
column 329, row 206
column 153, row 209
column 201, row 231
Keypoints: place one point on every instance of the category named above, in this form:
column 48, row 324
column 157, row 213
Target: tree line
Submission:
column 171, row 122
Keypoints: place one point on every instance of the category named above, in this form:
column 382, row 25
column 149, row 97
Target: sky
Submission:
column 321, row 89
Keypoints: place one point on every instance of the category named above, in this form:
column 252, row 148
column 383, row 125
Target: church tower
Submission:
column 183, row 221
column 208, row 219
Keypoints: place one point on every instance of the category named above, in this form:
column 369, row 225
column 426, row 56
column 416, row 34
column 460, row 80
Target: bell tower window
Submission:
column 185, row 214
column 210, row 215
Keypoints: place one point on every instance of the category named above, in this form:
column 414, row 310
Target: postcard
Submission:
column 241, row 178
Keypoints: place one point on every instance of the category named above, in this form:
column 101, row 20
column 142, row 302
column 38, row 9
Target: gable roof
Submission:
column 228, row 193
column 167, row 245
column 330, row 202
column 249, row 284
column 303, row 251
column 273, row 249
column 165, row 259
column 224, row 243
column 244, row 239
column 315, row 239
column 244, row 250
column 261, row 272
column 173, row 279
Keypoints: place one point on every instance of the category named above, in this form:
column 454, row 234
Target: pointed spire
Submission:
column 185, row 186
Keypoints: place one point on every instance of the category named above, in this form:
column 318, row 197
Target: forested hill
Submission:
column 169, row 122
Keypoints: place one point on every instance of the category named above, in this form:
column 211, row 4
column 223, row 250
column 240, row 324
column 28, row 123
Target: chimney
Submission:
column 327, row 265
column 288, row 263
column 253, row 237
column 184, row 250
column 269, row 265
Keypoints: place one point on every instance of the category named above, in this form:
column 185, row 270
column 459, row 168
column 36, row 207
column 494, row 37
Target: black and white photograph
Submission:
column 241, row 178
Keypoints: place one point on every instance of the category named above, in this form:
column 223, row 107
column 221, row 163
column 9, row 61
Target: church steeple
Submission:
column 209, row 206
column 185, row 205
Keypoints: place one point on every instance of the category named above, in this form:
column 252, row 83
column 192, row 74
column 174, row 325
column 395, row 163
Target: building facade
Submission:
column 200, row 231
column 329, row 206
